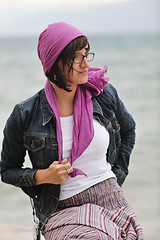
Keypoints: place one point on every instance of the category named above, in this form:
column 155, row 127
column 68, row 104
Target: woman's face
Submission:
column 79, row 72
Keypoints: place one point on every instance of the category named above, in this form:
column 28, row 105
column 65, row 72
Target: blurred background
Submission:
column 125, row 35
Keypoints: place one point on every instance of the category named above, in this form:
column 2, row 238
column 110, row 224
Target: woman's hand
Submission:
column 56, row 173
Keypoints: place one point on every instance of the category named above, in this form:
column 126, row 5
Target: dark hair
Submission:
column 56, row 74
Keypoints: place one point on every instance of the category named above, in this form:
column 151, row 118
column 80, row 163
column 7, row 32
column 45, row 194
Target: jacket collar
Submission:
column 96, row 107
column 48, row 114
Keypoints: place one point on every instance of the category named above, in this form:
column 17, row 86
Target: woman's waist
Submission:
column 106, row 193
column 80, row 183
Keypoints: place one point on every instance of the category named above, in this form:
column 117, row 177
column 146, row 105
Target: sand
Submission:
column 16, row 232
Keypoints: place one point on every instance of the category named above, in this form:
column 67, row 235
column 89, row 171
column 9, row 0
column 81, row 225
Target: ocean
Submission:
column 134, row 69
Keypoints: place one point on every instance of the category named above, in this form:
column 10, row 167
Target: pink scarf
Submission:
column 83, row 131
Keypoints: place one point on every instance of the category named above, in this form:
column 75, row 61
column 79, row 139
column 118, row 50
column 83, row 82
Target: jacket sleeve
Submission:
column 127, row 134
column 13, row 153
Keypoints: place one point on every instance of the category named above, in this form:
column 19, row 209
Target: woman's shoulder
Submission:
column 110, row 91
column 27, row 106
column 109, row 95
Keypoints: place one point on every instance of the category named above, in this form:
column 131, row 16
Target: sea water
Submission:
column 134, row 69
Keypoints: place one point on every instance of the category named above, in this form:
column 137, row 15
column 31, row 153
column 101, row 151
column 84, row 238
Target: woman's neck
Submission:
column 65, row 100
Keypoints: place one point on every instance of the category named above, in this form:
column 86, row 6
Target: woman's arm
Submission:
column 13, row 153
column 127, row 133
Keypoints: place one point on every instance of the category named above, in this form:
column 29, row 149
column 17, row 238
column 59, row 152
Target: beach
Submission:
column 134, row 69
column 16, row 232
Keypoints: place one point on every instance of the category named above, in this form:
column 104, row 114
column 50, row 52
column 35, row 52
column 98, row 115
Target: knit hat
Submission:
column 53, row 40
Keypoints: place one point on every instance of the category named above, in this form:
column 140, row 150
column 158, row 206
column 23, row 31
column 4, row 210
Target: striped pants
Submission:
column 98, row 213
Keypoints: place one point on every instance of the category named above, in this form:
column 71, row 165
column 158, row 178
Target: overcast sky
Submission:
column 30, row 17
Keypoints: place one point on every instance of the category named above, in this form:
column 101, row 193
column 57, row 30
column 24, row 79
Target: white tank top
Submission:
column 92, row 161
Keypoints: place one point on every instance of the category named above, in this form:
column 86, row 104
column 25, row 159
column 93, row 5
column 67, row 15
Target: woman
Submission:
column 79, row 137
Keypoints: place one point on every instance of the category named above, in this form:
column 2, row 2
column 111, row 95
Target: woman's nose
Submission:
column 85, row 62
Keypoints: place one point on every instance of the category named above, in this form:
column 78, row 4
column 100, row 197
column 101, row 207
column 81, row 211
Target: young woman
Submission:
column 79, row 137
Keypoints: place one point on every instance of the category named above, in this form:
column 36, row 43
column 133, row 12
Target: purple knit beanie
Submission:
column 53, row 40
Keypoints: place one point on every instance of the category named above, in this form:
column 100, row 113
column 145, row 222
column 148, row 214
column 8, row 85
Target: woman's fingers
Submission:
column 56, row 173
